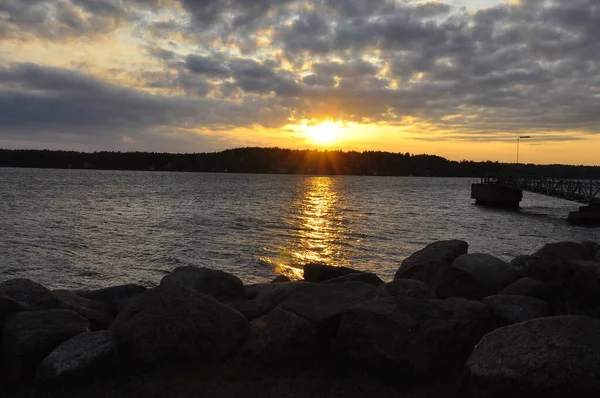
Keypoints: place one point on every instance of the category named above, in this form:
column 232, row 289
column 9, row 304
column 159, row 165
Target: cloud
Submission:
column 211, row 65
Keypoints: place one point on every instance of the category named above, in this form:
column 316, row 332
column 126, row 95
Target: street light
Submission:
column 518, row 139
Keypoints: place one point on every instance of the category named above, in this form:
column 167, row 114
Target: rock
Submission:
column 487, row 271
column 322, row 301
column 9, row 306
column 28, row 337
column 519, row 261
column 253, row 289
column 116, row 297
column 526, row 287
column 550, row 357
column 85, row 357
column 451, row 272
column 279, row 292
column 253, row 309
column 390, row 335
column 215, row 283
column 323, row 304
column 572, row 282
column 177, row 324
column 508, row 309
column 590, row 250
column 97, row 313
column 316, row 272
column 32, row 295
column 408, row 288
column 281, row 278
column 278, row 337
column 562, row 251
column 427, row 262
column 366, row 277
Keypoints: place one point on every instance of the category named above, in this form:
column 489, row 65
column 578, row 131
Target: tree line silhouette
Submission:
column 285, row 161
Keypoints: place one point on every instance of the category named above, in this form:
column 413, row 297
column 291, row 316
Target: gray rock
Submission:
column 366, row 277
column 281, row 278
column 279, row 292
column 412, row 336
column 552, row 357
column 508, row 309
column 253, row 309
column 573, row 281
column 526, row 287
column 316, row 272
column 278, row 337
column 97, row 313
column 177, row 324
column 408, row 288
column 320, row 302
column 427, row 262
column 28, row 337
column 487, row 271
column 9, row 306
column 519, row 261
column 561, row 250
column 116, row 297
column 215, row 283
column 83, row 358
column 32, row 295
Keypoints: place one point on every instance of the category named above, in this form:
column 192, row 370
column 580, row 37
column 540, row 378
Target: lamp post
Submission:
column 518, row 140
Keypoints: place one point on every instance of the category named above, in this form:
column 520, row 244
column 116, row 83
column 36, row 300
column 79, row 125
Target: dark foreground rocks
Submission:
column 550, row 357
column 167, row 323
column 512, row 321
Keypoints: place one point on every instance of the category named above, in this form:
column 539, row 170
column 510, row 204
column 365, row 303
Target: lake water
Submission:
column 88, row 228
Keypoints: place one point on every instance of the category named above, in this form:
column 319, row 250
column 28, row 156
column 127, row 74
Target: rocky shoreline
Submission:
column 525, row 328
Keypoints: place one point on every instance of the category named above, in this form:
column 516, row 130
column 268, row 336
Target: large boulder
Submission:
column 391, row 335
column 366, row 277
column 116, row 297
column 96, row 312
column 431, row 260
column 323, row 301
column 490, row 274
column 451, row 272
column 323, row 304
column 253, row 309
column 177, row 324
column 409, row 288
column 31, row 294
column 279, row 292
column 278, row 337
column 508, row 309
column 281, row 278
column 9, row 306
column 552, row 357
column 85, row 357
column 563, row 251
column 215, row 283
column 573, row 282
column 28, row 337
column 317, row 272
column 526, row 287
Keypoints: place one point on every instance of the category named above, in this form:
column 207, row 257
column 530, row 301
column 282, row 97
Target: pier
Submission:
column 506, row 191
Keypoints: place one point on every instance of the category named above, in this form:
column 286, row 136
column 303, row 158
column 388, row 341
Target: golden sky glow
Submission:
column 460, row 79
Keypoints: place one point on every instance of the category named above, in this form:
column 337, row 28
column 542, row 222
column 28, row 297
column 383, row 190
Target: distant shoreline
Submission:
column 284, row 161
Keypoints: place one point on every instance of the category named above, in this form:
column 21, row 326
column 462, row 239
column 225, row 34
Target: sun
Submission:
column 325, row 133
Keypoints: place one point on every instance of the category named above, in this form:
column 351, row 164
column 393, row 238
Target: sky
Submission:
column 460, row 79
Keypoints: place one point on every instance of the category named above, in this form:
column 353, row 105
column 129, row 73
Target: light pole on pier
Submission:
column 518, row 140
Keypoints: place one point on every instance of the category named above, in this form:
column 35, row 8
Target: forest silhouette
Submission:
column 285, row 161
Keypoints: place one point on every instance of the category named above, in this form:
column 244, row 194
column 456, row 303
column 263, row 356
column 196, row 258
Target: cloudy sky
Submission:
column 458, row 78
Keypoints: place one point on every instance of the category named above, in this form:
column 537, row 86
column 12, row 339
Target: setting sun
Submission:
column 325, row 133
